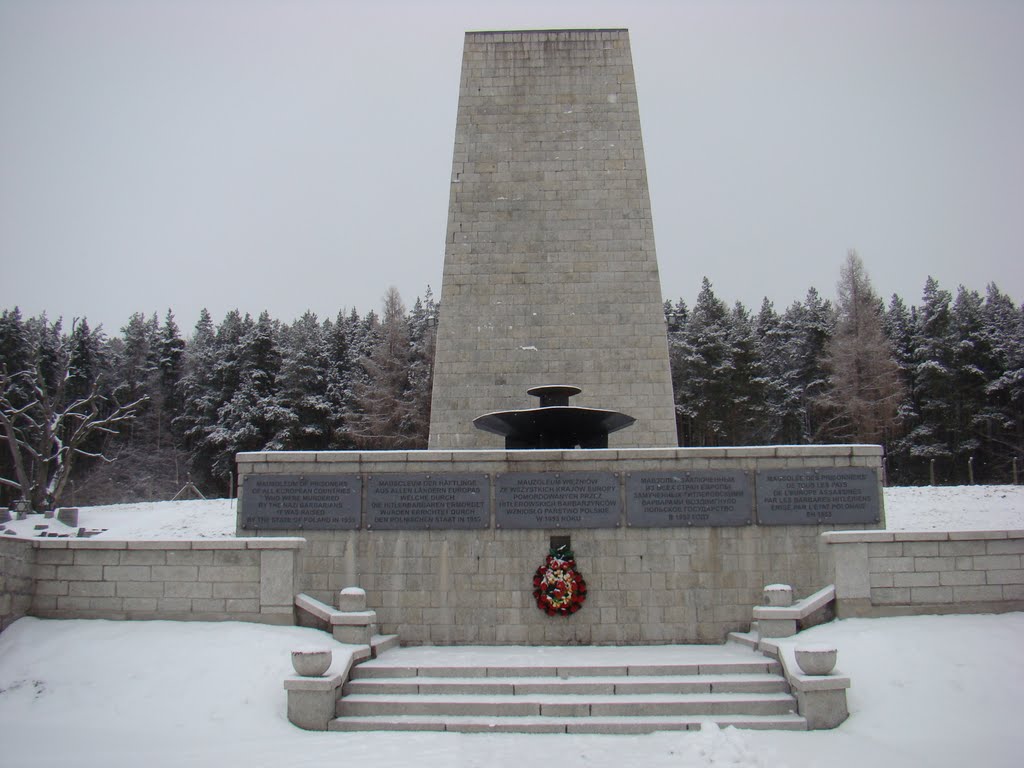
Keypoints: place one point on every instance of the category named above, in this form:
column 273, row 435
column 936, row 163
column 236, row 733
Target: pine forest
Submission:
column 92, row 418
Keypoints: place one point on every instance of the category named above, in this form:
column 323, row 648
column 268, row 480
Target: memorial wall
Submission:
column 675, row 544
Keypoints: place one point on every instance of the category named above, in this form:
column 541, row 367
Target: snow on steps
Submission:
column 567, row 690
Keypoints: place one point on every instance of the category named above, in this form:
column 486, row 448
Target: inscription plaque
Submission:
column 301, row 502
column 818, row 496
column 698, row 497
column 557, row 500
column 418, row 501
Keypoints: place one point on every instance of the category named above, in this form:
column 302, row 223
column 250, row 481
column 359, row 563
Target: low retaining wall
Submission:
column 17, row 582
column 893, row 573
column 645, row 585
column 200, row 580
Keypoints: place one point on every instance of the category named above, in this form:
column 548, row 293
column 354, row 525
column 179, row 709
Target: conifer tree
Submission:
column 701, row 366
column 748, row 421
column 255, row 417
column 387, row 417
column 864, row 389
column 1003, row 416
column 305, row 382
column 806, row 328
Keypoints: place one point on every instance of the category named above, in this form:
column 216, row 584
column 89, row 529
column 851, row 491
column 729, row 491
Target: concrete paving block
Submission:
column 140, row 604
column 920, row 542
column 592, row 671
column 189, row 589
column 80, row 544
column 80, row 572
column 1013, row 546
column 143, row 557
column 127, row 572
column 174, row 573
column 55, row 557
column 91, row 589
column 158, row 545
column 976, row 535
column 239, row 606
column 149, row 589
column 991, row 593
column 97, row 557
column 933, row 594
column 360, row 724
column 564, row 709
column 997, row 562
column 202, row 605
column 663, row 669
column 927, row 579
column 1005, row 577
column 962, row 578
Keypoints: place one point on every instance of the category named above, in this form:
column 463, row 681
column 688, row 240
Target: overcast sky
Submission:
column 296, row 155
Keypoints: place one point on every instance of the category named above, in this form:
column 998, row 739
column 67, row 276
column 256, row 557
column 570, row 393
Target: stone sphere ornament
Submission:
column 311, row 662
column 816, row 659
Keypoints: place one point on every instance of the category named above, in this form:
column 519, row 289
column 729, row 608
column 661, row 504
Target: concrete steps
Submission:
column 567, row 690
column 606, row 725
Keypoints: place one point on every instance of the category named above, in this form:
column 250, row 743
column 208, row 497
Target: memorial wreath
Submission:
column 558, row 587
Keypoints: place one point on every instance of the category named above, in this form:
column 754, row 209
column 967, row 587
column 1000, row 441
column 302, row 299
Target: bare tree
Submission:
column 389, row 416
column 864, row 386
column 46, row 426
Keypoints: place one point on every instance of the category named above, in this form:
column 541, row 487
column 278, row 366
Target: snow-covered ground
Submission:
column 927, row 691
column 956, row 508
column 930, row 691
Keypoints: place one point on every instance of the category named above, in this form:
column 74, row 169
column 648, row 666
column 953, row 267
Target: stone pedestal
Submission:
column 821, row 700
column 778, row 595
column 776, row 627
column 355, row 627
column 312, row 700
column 354, row 624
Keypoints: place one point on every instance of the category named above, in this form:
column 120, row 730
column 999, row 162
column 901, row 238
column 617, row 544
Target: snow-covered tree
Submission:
column 46, row 421
column 701, row 358
column 305, row 381
column 255, row 417
column 200, row 396
column 1003, row 416
column 748, row 419
column 804, row 330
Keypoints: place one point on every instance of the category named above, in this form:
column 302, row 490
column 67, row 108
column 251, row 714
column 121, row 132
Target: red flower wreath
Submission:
column 558, row 587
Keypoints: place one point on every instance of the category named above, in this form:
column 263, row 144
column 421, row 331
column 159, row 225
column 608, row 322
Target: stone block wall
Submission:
column 646, row 585
column 550, row 273
column 202, row 580
column 17, row 581
column 890, row 573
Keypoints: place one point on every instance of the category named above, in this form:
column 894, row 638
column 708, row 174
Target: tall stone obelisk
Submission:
column 550, row 273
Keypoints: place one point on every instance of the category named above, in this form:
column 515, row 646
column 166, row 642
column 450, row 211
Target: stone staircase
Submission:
column 589, row 689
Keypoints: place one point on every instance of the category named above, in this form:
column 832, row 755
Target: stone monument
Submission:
column 550, row 273
column 551, row 288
